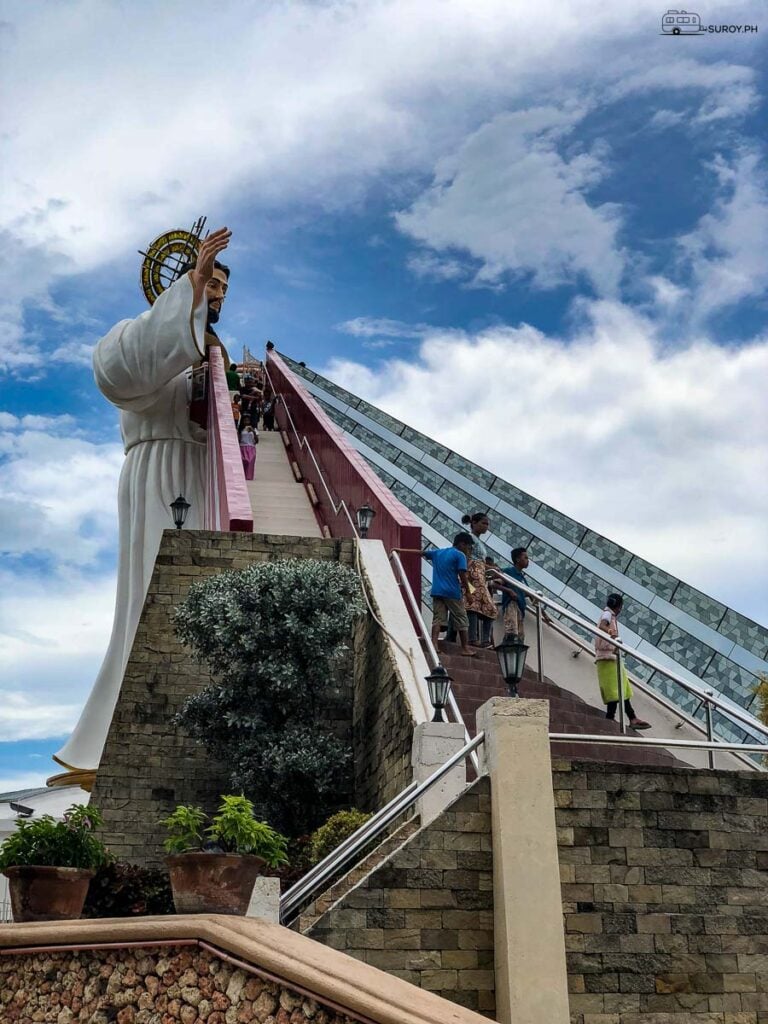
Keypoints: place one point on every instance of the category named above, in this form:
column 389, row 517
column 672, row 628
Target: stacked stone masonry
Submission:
column 149, row 765
column 664, row 893
column 426, row 913
column 382, row 724
column 148, row 986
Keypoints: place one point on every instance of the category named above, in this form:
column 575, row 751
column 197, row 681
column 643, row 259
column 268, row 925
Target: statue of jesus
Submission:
column 141, row 366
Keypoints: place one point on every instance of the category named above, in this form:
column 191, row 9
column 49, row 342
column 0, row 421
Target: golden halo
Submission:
column 165, row 258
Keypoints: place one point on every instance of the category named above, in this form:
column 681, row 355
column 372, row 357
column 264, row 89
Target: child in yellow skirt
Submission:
column 605, row 660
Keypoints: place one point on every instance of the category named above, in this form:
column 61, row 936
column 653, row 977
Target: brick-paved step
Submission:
column 477, row 679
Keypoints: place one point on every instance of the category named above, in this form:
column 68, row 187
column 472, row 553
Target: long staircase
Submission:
column 477, row 679
column 279, row 501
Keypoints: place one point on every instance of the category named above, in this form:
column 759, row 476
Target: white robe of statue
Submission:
column 141, row 366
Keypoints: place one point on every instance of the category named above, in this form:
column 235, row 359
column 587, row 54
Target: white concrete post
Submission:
column 529, row 940
column 433, row 744
column 265, row 899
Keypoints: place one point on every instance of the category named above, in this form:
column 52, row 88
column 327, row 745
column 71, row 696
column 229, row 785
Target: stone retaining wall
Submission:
column 147, row 986
column 664, row 893
column 426, row 914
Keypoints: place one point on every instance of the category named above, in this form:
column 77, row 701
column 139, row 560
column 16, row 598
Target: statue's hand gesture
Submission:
column 210, row 248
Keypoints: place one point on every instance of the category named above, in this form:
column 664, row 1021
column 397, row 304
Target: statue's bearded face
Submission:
column 215, row 293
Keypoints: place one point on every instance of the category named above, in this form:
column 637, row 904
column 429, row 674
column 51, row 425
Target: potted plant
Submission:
column 49, row 864
column 216, row 875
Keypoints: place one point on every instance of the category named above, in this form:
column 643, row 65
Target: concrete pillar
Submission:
column 265, row 899
column 529, row 940
column 433, row 744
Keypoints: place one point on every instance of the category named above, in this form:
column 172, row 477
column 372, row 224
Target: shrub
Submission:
column 338, row 827
column 233, row 830
column 46, row 842
column 273, row 635
column 127, row 890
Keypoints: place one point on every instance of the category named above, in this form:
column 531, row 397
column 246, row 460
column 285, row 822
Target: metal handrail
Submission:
column 647, row 741
column 432, row 656
column 303, row 442
column 685, row 718
column 706, row 697
column 307, row 886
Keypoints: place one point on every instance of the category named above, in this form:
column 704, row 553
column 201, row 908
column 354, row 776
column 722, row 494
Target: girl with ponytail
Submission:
column 480, row 607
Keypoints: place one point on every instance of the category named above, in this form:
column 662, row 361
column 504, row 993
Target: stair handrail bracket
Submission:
column 311, row 883
column 704, row 693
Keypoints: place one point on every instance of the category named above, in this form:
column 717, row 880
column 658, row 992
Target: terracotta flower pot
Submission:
column 47, row 894
column 213, row 883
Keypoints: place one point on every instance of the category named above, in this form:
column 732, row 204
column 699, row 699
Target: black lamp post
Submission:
column 511, row 653
column 364, row 517
column 180, row 507
column 439, row 683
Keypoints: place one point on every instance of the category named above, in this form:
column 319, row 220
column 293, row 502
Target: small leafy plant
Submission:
column 338, row 828
column 234, row 829
column 185, row 828
column 46, row 842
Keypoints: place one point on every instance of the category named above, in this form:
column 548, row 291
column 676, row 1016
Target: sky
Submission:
column 535, row 232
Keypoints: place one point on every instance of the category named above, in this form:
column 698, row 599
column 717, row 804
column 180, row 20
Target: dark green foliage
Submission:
column 127, row 890
column 339, row 826
column 46, row 842
column 273, row 634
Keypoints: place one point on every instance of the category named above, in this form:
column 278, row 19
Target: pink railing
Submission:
column 330, row 463
column 228, row 506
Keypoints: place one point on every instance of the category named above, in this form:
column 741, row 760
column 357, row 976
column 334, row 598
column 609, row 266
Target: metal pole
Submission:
column 710, row 732
column 620, row 691
column 538, row 641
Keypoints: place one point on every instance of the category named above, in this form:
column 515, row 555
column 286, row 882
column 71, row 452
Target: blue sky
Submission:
column 545, row 249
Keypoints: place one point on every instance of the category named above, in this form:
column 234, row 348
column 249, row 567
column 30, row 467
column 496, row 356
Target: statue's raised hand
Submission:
column 210, row 248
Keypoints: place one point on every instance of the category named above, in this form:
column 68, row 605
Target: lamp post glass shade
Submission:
column 439, row 683
column 511, row 653
column 364, row 517
column 180, row 507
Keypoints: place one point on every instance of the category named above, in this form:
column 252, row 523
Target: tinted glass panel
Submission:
column 685, row 649
column 560, row 524
column 379, row 416
column 419, row 471
column 426, row 444
column 470, row 470
column 642, row 620
column 698, row 605
column 733, row 680
column 377, row 443
column 414, row 502
column 604, row 549
column 464, row 502
column 517, row 499
column 551, row 559
column 650, row 576
column 746, row 633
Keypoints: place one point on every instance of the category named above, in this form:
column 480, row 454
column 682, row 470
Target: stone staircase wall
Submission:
column 664, row 893
column 426, row 914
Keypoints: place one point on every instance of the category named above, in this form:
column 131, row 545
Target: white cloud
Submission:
column 514, row 202
column 373, row 326
column 726, row 251
column 662, row 450
column 435, row 268
column 79, row 353
column 23, row 780
column 728, row 89
column 57, row 492
column 301, row 102
column 53, row 636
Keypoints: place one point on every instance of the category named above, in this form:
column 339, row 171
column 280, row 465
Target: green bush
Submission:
column 46, row 842
column 338, row 827
column 127, row 890
column 273, row 635
column 234, row 829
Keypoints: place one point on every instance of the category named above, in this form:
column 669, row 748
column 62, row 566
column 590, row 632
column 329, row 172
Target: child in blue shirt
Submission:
column 449, row 583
